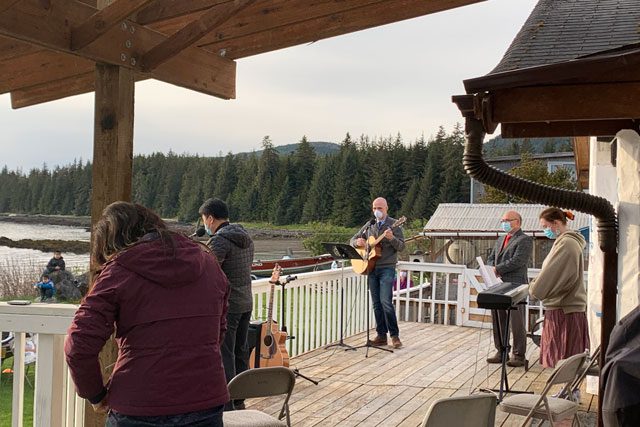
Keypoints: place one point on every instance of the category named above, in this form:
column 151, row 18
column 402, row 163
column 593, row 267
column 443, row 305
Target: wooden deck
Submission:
column 396, row 389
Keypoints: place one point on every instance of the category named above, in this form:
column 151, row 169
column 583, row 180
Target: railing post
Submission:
column 17, row 407
column 48, row 399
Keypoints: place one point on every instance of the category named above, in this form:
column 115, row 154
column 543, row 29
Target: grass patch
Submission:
column 6, row 394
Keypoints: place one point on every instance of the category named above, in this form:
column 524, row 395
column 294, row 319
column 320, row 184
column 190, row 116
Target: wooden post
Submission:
column 112, row 167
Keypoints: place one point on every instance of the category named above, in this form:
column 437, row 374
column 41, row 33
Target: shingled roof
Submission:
column 558, row 31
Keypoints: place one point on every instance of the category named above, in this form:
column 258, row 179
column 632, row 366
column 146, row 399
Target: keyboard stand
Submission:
column 505, row 345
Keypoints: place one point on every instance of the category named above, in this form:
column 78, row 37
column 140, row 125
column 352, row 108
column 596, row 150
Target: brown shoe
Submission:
column 496, row 358
column 378, row 341
column 516, row 361
column 395, row 342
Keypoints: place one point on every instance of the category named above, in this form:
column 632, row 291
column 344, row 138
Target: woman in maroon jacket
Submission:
column 166, row 298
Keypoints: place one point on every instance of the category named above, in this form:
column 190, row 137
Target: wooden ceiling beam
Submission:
column 12, row 48
column 58, row 89
column 277, row 24
column 167, row 9
column 6, row 4
column 193, row 68
column 103, row 20
column 564, row 129
column 566, row 103
column 40, row 67
column 191, row 33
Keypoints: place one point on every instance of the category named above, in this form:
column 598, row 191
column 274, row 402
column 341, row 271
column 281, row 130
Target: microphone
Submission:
column 199, row 232
column 290, row 278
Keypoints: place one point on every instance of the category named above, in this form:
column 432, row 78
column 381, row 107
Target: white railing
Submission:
column 314, row 305
column 317, row 307
column 55, row 402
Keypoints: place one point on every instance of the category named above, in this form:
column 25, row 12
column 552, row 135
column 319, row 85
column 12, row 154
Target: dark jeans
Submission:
column 381, row 281
column 46, row 294
column 206, row 418
column 234, row 349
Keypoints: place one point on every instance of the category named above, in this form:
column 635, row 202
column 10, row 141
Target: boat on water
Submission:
column 290, row 265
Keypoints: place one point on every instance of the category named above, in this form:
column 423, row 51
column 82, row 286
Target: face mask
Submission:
column 549, row 233
column 378, row 214
column 208, row 230
column 506, row 226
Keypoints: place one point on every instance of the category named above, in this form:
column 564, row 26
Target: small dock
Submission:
column 396, row 389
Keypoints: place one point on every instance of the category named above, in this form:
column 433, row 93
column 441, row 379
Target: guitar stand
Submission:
column 283, row 327
column 503, row 332
column 368, row 344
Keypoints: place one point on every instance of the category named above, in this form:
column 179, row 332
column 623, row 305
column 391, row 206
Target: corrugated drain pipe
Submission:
column 607, row 223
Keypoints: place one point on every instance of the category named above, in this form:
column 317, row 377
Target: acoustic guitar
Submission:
column 372, row 251
column 272, row 351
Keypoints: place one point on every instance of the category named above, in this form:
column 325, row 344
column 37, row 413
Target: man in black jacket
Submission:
column 510, row 258
column 233, row 247
column 55, row 264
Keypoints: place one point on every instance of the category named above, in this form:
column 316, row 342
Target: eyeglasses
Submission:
column 508, row 220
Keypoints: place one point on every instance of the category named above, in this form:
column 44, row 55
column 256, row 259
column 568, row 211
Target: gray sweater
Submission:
column 233, row 247
column 390, row 248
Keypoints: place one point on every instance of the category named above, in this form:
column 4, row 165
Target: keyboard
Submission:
column 503, row 296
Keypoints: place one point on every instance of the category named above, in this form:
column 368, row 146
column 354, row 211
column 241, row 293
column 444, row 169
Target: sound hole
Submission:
column 268, row 340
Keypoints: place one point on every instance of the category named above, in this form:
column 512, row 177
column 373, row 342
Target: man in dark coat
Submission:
column 55, row 264
column 233, row 247
column 510, row 258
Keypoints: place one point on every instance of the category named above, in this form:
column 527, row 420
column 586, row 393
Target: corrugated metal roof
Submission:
column 457, row 217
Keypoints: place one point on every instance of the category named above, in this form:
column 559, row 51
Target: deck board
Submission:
column 396, row 389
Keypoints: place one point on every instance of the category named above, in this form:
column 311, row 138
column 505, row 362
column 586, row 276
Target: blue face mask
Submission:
column 549, row 233
column 208, row 230
column 506, row 226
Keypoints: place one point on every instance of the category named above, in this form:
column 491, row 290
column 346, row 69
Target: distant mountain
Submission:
column 322, row 148
column 499, row 146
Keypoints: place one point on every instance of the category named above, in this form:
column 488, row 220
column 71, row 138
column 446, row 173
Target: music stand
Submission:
column 341, row 252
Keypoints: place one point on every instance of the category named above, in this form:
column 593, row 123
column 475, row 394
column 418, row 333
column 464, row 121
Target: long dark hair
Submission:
column 121, row 226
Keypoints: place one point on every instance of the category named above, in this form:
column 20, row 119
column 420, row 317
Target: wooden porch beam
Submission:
column 191, row 33
column 294, row 22
column 610, row 101
column 193, row 68
column 6, row 4
column 167, row 9
column 570, row 128
column 103, row 20
column 12, row 48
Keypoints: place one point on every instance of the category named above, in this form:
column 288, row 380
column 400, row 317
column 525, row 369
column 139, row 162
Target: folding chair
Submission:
column 590, row 368
column 260, row 382
column 542, row 407
column 464, row 411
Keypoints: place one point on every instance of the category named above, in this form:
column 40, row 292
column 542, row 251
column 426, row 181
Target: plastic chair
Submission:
column 260, row 382
column 540, row 406
column 464, row 411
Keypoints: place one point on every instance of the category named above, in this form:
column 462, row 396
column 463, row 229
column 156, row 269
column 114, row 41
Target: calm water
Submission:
column 265, row 249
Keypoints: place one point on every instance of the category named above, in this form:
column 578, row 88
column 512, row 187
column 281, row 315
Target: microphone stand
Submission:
column 283, row 327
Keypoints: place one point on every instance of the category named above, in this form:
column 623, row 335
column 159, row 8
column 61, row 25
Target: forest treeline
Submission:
column 300, row 187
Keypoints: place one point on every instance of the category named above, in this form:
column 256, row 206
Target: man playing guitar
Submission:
column 381, row 277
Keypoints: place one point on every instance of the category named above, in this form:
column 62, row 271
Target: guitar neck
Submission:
column 270, row 309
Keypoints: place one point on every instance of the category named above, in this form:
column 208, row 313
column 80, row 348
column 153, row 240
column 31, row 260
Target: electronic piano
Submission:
column 503, row 296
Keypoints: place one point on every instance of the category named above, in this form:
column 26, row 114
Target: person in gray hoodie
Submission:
column 233, row 247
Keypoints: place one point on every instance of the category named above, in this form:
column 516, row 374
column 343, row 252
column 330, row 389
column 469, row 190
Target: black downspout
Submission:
column 607, row 223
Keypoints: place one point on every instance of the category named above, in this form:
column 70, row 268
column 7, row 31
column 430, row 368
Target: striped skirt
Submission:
column 563, row 335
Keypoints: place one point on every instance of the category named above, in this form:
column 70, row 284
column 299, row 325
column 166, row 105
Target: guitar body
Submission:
column 273, row 351
column 368, row 263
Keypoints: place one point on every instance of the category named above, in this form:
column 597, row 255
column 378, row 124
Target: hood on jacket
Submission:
column 158, row 262
column 236, row 234
column 574, row 235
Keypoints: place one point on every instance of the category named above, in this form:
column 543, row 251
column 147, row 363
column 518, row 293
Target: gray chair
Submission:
column 540, row 406
column 260, row 382
column 463, row 411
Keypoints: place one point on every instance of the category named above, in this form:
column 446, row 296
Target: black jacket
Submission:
column 233, row 247
column 53, row 263
column 511, row 261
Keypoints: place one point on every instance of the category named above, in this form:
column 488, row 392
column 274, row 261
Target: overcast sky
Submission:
column 377, row 82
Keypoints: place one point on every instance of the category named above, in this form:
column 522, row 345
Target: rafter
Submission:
column 12, row 48
column 53, row 90
column 193, row 68
column 103, row 20
column 284, row 23
column 568, row 128
column 191, row 33
column 167, row 9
